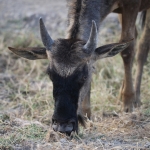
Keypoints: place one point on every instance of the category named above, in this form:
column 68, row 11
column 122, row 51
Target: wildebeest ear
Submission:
column 111, row 49
column 31, row 53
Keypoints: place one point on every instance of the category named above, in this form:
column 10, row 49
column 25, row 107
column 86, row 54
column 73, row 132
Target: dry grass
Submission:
column 26, row 103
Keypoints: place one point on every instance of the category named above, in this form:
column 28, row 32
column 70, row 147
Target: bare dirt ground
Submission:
column 26, row 103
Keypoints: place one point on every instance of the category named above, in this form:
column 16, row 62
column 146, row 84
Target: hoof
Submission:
column 128, row 108
column 137, row 104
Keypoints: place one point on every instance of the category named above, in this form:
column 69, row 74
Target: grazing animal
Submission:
column 71, row 59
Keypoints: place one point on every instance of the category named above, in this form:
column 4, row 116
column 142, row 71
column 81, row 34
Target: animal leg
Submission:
column 142, row 53
column 84, row 107
column 128, row 32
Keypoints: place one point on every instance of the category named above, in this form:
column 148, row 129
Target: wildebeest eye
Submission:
column 84, row 78
column 83, row 74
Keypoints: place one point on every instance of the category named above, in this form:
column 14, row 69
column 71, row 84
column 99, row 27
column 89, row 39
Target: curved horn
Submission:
column 46, row 39
column 91, row 43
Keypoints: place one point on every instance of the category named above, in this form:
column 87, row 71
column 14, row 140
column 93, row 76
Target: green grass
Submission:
column 19, row 135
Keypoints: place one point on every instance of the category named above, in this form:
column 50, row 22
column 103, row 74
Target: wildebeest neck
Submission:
column 82, row 12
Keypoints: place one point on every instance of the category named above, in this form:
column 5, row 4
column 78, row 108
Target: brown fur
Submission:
column 142, row 53
column 128, row 95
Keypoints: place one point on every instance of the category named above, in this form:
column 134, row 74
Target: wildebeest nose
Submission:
column 55, row 127
column 63, row 127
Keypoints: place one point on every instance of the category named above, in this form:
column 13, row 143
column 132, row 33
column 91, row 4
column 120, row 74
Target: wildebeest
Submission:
column 71, row 59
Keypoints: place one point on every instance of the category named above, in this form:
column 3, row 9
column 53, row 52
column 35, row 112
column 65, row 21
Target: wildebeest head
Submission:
column 70, row 69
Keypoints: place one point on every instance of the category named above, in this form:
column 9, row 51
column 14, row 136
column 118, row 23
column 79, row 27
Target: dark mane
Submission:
column 75, row 7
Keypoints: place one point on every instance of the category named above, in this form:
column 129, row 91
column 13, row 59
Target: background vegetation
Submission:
column 26, row 102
